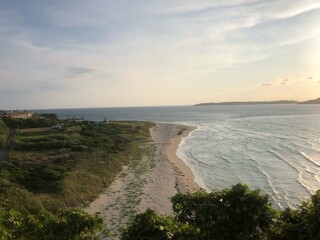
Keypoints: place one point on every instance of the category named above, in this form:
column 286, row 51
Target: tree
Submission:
column 66, row 225
column 235, row 213
column 302, row 223
column 149, row 225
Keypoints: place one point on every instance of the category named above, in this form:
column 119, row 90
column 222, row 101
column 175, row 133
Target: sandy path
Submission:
column 149, row 182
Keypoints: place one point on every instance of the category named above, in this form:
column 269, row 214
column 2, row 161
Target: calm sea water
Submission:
column 275, row 148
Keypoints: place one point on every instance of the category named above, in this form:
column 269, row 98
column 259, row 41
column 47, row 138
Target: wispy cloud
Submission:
column 81, row 70
column 284, row 81
column 301, row 88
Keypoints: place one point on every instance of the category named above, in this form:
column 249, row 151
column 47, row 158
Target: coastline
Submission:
column 185, row 177
column 149, row 182
column 170, row 175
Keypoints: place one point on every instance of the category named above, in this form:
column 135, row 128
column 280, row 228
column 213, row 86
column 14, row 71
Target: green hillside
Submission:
column 57, row 169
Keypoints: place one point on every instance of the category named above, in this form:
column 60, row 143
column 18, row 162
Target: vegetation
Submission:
column 71, row 224
column 302, row 223
column 237, row 213
column 49, row 171
column 55, row 169
column 4, row 131
column 36, row 121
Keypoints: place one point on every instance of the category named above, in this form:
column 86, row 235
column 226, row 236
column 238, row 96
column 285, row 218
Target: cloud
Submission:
column 81, row 70
column 290, row 81
column 279, row 81
column 312, row 79
column 284, row 81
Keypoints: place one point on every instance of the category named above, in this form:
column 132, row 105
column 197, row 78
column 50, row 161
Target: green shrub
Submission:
column 229, row 214
column 302, row 223
column 65, row 225
column 149, row 225
column 235, row 213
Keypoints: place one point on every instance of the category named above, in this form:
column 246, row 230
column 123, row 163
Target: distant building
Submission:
column 17, row 114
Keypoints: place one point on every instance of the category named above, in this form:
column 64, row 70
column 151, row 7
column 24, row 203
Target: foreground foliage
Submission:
column 72, row 224
column 302, row 223
column 237, row 213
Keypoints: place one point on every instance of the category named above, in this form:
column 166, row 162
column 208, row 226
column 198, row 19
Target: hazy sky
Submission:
column 92, row 53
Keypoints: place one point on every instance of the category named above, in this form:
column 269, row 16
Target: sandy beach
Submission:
column 149, row 182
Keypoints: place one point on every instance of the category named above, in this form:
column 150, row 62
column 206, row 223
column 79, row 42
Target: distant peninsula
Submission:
column 315, row 101
column 249, row 103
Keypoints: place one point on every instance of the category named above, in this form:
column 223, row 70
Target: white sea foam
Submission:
column 309, row 158
column 267, row 153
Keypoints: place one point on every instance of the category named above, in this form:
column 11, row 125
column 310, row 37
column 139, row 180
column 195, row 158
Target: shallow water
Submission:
column 279, row 154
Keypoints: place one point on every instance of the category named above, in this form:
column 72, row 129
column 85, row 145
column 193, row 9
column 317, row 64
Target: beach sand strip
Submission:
column 149, row 182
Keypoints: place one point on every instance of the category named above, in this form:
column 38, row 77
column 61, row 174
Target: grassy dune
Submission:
column 54, row 170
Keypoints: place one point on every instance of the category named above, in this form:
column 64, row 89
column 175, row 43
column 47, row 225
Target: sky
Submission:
column 113, row 53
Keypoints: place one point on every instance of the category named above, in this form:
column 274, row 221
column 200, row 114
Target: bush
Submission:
column 149, row 225
column 235, row 213
column 302, row 224
column 66, row 225
column 229, row 214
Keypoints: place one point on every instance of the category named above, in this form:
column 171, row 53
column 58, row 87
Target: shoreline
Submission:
column 185, row 179
column 170, row 175
column 149, row 182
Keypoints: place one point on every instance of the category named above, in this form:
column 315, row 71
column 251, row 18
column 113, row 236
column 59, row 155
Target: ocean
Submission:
column 275, row 148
